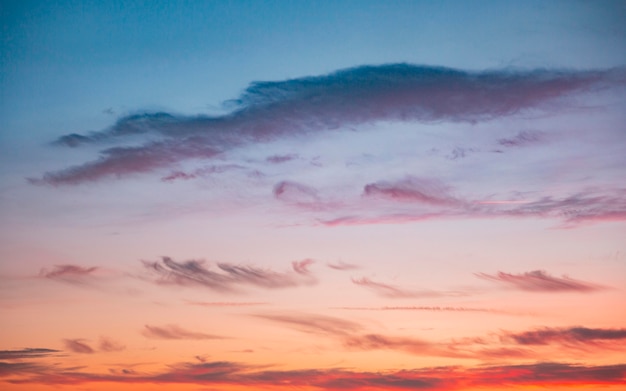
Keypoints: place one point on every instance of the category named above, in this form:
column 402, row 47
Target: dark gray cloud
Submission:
column 540, row 281
column 365, row 94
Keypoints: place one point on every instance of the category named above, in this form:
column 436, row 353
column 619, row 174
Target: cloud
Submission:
column 108, row 345
column 277, row 159
column 296, row 193
column 540, row 281
column 416, row 199
column 267, row 111
column 229, row 278
column 547, row 335
column 77, row 346
column 429, row 309
column 200, row 172
column 227, row 303
column 342, row 266
column 71, row 274
column 225, row 374
column 314, row 324
column 174, row 332
column 390, row 291
column 523, row 138
column 26, row 353
column 412, row 189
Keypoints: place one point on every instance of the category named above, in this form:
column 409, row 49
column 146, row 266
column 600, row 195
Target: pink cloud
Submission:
column 540, row 281
column 174, row 332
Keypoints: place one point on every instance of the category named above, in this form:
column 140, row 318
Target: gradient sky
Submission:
column 290, row 195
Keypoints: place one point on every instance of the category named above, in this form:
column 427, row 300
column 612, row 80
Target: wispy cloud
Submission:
column 229, row 278
column 540, row 281
column 568, row 335
column 71, row 274
column 267, row 111
column 430, row 309
column 412, row 189
column 26, row 353
column 107, row 344
column 523, row 138
column 78, row 346
column 342, row 266
column 227, row 303
column 394, row 292
column 414, row 199
column 314, row 324
column 224, row 374
column 174, row 332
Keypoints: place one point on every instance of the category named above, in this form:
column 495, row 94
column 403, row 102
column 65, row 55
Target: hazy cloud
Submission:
column 342, row 266
column 71, row 274
column 108, row 345
column 174, row 332
column 267, row 111
column 77, row 346
column 394, row 292
column 523, row 138
column 540, row 281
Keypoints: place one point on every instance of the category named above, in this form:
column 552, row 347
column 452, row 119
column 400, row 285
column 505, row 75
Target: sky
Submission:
column 298, row 195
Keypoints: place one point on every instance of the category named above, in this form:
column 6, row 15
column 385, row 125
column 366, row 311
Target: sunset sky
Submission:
column 300, row 195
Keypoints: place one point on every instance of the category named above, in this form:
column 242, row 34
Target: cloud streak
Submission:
column 26, row 353
column 540, row 281
column 583, row 335
column 414, row 199
column 70, row 274
column 174, row 332
column 394, row 292
column 267, row 111
column 228, row 278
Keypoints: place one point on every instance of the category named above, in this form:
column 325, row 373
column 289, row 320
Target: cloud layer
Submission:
column 267, row 111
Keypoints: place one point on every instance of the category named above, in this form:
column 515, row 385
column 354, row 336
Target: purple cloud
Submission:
column 579, row 334
column 412, row 189
column 523, row 138
column 267, row 111
column 228, row 278
column 540, row 281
